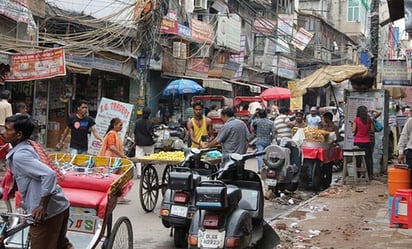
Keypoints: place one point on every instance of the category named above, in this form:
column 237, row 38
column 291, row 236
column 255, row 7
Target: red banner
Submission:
column 169, row 23
column 36, row 66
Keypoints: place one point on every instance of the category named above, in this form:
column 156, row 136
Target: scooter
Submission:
column 282, row 166
column 230, row 209
column 178, row 204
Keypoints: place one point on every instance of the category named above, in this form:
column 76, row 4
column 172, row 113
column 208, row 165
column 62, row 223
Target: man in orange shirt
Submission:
column 199, row 126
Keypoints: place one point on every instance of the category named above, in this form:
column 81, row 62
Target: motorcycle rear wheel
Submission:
column 180, row 237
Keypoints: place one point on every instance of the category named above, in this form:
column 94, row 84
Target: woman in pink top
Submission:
column 361, row 128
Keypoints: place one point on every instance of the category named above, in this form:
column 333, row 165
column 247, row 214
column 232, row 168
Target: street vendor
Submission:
column 200, row 126
column 329, row 125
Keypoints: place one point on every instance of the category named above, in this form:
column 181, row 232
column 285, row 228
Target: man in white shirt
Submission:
column 5, row 107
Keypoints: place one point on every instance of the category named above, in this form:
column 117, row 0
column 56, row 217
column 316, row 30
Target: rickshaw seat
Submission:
column 88, row 191
column 88, row 182
column 88, row 199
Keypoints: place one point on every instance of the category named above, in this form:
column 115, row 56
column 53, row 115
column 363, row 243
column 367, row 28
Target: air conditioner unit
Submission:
column 179, row 50
column 200, row 4
column 203, row 52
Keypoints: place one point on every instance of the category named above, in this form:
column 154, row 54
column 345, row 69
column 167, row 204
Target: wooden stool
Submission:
column 402, row 218
column 354, row 153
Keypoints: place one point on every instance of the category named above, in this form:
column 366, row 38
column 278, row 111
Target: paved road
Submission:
column 147, row 227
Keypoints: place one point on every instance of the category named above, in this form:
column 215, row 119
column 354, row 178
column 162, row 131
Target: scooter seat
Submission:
column 234, row 195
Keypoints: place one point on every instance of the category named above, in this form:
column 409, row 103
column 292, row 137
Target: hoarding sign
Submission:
column 37, row 66
column 395, row 73
column 109, row 109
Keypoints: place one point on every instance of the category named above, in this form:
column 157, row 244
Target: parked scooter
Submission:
column 282, row 165
column 178, row 205
column 230, row 209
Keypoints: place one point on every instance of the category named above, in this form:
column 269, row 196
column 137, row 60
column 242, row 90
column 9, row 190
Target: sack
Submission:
column 378, row 125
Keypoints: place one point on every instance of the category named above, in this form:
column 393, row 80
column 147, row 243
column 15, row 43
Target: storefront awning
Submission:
column 252, row 88
column 76, row 68
column 217, row 84
column 264, row 86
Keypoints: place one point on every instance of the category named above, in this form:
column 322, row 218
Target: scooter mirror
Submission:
column 236, row 157
column 195, row 150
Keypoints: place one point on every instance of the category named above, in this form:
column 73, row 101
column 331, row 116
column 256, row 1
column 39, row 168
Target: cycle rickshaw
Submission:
column 92, row 184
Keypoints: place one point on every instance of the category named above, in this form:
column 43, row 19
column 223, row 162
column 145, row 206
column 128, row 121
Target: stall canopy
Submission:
column 326, row 74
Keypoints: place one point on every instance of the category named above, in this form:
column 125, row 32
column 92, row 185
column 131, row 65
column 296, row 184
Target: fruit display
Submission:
column 175, row 156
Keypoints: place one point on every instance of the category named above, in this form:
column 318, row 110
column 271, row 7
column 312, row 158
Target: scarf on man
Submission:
column 8, row 183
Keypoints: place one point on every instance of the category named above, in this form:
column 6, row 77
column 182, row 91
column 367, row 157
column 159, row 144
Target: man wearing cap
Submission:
column 313, row 119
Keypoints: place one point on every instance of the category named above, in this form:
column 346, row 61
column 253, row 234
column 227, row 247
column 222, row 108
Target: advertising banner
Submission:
column 264, row 26
column 109, row 109
column 395, row 73
column 202, row 32
column 36, row 66
column 169, row 23
column 228, row 32
column 302, row 39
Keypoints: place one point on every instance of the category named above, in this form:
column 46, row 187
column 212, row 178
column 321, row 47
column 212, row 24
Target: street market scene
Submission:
column 260, row 124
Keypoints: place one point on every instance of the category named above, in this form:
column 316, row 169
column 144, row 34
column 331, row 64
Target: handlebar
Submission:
column 239, row 157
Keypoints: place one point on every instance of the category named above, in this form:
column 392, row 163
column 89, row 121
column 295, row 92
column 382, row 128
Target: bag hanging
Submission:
column 378, row 125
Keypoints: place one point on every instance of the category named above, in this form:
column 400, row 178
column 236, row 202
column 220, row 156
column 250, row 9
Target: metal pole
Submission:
column 374, row 40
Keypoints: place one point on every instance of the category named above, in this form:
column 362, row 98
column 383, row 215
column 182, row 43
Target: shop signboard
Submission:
column 169, row 23
column 230, row 69
column 39, row 65
column 285, row 25
column 228, row 32
column 202, row 32
column 280, row 65
column 302, row 39
column 216, row 70
column 198, row 67
column 109, row 109
column 296, row 102
column 240, row 58
column 264, row 26
column 394, row 73
column 15, row 10
column 184, row 31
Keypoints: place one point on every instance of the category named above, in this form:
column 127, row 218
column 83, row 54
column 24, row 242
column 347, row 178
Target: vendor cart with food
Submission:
column 320, row 153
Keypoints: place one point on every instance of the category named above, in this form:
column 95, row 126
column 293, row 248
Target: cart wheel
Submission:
column 121, row 236
column 165, row 177
column 149, row 188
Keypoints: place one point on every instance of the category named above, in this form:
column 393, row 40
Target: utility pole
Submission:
column 374, row 37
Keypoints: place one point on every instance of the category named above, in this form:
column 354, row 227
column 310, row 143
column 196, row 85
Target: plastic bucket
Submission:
column 398, row 178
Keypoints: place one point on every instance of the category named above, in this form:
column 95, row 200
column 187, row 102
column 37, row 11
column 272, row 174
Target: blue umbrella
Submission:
column 182, row 86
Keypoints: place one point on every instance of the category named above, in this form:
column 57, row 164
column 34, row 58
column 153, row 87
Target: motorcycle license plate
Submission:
column 180, row 211
column 271, row 182
column 211, row 239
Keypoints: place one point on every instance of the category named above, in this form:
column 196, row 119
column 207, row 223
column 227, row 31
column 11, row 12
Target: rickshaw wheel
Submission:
column 121, row 236
column 149, row 188
column 165, row 177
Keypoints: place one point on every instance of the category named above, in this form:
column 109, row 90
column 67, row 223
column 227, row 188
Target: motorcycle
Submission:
column 178, row 204
column 282, row 165
column 230, row 209
column 169, row 138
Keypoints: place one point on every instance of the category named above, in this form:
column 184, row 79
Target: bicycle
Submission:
column 10, row 226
